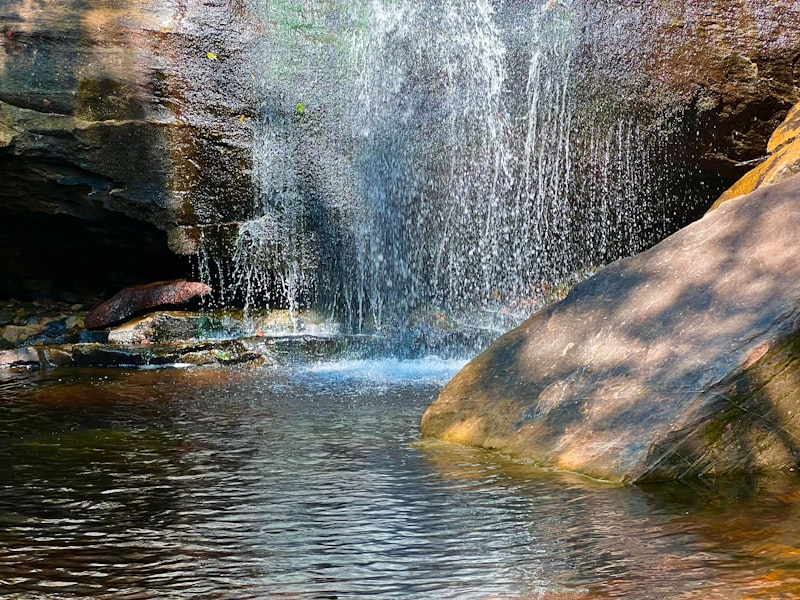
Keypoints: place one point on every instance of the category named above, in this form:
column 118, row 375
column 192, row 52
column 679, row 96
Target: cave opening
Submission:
column 62, row 257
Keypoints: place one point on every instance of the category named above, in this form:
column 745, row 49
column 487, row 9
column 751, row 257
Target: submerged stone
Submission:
column 165, row 338
column 19, row 357
column 681, row 361
column 136, row 355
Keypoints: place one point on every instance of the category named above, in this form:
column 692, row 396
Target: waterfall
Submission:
column 449, row 157
column 433, row 164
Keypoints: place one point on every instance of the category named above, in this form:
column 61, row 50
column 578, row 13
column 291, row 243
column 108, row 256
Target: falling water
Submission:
column 448, row 157
column 433, row 164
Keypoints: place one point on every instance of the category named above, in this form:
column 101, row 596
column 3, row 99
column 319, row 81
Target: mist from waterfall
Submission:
column 449, row 157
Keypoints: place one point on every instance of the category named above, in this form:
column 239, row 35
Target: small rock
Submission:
column 19, row 357
column 74, row 321
column 17, row 334
column 55, row 328
column 197, row 359
column 58, row 356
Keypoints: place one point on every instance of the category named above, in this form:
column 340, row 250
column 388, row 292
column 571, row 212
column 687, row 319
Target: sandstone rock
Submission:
column 150, row 329
column 678, row 362
column 787, row 132
column 115, row 355
column 136, row 355
column 137, row 299
column 56, row 356
column 114, row 124
column 110, row 120
column 172, row 326
column 736, row 67
column 781, row 165
column 784, row 162
column 75, row 321
column 199, row 358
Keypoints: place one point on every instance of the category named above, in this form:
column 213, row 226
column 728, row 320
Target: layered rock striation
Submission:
column 117, row 130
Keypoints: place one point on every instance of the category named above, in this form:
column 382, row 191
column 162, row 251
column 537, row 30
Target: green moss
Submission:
column 715, row 430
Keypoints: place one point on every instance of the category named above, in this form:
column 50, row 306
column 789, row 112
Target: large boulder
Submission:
column 677, row 362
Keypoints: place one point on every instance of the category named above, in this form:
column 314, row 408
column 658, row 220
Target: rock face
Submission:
column 136, row 299
column 735, row 65
column 117, row 130
column 728, row 70
column 680, row 361
column 782, row 164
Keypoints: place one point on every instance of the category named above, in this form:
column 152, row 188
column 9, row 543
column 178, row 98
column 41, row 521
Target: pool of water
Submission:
column 310, row 481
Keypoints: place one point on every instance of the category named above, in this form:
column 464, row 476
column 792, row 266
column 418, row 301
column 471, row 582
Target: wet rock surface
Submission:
column 116, row 129
column 681, row 361
column 48, row 334
column 734, row 68
column 782, row 163
column 125, row 134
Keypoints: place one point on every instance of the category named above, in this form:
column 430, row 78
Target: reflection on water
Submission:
column 312, row 483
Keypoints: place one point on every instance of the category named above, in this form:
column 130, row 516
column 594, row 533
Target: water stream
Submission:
column 311, row 482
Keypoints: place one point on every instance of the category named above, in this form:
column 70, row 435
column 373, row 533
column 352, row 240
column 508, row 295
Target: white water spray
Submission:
column 441, row 157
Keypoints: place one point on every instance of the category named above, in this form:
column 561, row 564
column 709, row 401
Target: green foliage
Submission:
column 306, row 20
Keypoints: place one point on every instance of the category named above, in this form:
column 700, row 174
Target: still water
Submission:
column 310, row 482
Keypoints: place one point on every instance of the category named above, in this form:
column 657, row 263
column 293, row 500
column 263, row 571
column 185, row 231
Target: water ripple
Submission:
column 238, row 484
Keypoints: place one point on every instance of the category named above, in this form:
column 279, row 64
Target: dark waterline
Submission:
column 311, row 482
